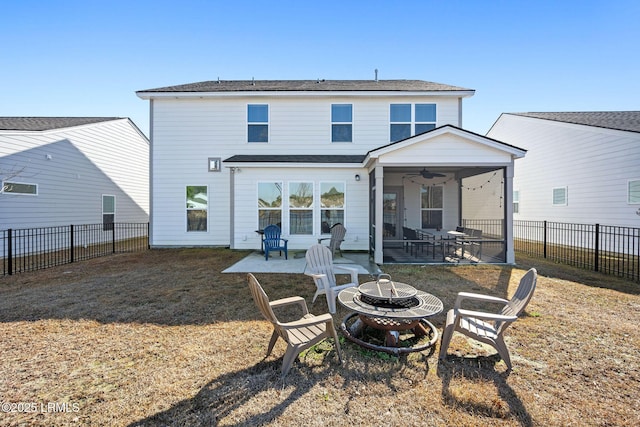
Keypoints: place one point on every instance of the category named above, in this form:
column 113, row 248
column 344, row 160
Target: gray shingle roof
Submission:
column 619, row 120
column 48, row 123
column 303, row 158
column 309, row 85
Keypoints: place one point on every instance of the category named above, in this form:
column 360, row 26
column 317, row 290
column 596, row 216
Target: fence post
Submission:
column 597, row 248
column 72, row 249
column 544, row 239
column 148, row 236
column 113, row 238
column 10, row 251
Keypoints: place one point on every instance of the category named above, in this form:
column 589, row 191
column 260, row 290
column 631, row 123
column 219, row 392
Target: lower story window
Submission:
column 108, row 212
column 431, row 199
column 269, row 204
column 301, row 207
column 197, row 207
column 332, row 205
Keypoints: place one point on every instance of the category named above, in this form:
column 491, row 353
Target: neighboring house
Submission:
column 375, row 155
column 581, row 167
column 72, row 170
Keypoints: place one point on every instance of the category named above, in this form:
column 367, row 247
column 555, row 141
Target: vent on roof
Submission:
column 376, row 72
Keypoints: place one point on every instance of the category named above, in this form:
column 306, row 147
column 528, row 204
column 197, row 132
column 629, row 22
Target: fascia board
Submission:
column 300, row 94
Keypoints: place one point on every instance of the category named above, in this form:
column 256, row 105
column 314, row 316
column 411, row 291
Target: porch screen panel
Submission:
column 301, row 207
column 269, row 204
column 332, row 205
column 431, row 206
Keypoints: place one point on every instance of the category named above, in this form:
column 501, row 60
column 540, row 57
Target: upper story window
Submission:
column 560, row 196
column 19, row 188
column 633, row 197
column 410, row 119
column 341, row 123
column 258, row 123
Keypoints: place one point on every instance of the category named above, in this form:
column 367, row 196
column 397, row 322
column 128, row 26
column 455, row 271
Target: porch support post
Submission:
column 378, row 256
column 508, row 213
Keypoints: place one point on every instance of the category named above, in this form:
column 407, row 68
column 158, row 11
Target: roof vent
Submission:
column 253, row 81
column 376, row 72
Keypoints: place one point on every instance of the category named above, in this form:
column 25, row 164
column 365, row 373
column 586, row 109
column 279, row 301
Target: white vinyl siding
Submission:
column 187, row 132
column 72, row 168
column 595, row 164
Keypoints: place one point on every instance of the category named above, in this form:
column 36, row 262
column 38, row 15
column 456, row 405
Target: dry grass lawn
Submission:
column 163, row 338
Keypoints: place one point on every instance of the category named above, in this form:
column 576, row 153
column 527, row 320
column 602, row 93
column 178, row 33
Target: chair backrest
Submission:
column 320, row 261
column 521, row 297
column 409, row 233
column 272, row 236
column 261, row 299
column 337, row 236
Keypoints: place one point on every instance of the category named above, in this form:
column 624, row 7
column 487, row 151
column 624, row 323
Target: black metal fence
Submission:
column 609, row 249
column 30, row 249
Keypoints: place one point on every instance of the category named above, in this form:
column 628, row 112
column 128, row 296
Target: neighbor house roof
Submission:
column 310, row 86
column 48, row 123
column 619, row 120
column 303, row 158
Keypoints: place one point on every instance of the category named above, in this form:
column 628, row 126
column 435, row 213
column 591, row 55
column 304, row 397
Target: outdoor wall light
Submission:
column 357, row 177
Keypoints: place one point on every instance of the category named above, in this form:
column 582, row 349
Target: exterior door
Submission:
column 392, row 213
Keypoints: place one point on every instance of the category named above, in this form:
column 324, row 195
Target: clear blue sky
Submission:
column 88, row 57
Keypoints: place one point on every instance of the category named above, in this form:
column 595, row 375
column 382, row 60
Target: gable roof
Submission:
column 450, row 129
column 48, row 123
column 310, row 86
column 618, row 120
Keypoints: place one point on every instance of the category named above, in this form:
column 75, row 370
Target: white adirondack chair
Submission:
column 488, row 328
column 320, row 266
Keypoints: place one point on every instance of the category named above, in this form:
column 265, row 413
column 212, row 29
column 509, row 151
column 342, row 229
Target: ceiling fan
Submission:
column 426, row 174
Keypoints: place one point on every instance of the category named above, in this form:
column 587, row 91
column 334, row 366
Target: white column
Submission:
column 508, row 212
column 378, row 256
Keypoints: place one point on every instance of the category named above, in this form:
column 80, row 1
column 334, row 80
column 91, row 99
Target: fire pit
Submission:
column 398, row 309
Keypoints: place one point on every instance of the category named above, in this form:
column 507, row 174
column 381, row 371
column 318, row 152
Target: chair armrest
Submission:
column 324, row 238
column 352, row 271
column 485, row 316
column 315, row 320
column 477, row 297
column 315, row 275
column 290, row 301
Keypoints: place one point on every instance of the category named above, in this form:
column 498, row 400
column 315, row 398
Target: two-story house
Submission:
column 581, row 167
column 230, row 157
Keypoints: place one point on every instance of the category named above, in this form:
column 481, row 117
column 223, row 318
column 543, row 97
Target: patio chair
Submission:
column 337, row 237
column 300, row 334
column 488, row 328
column 323, row 271
column 273, row 241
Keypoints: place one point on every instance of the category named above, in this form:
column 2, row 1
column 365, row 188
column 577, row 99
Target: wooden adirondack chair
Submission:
column 337, row 237
column 488, row 327
column 273, row 241
column 300, row 334
column 320, row 266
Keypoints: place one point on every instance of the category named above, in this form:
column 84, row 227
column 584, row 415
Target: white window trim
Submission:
column 566, row 196
column 248, row 123
column 629, row 202
column 320, row 208
column 5, row 183
column 312, row 208
column 186, row 217
column 331, row 123
column 412, row 122
column 285, row 203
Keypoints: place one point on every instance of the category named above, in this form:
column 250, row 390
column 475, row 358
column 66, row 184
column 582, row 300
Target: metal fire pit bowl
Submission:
column 391, row 307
